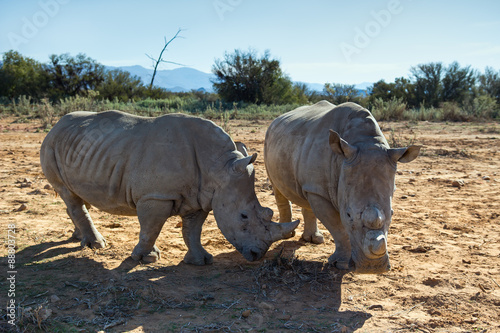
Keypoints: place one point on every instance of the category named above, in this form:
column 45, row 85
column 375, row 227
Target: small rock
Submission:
column 114, row 225
column 471, row 320
column 375, row 307
column 179, row 225
column 457, row 183
column 21, row 208
column 284, row 316
column 266, row 306
column 37, row 192
column 54, row 299
column 486, row 178
column 47, row 187
column 246, row 313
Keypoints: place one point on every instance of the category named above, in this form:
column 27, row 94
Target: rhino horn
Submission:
column 282, row 230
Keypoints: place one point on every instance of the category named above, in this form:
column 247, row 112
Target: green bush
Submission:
column 393, row 109
column 482, row 107
column 452, row 112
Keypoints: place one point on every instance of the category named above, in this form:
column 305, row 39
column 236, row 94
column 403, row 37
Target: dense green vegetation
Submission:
column 247, row 87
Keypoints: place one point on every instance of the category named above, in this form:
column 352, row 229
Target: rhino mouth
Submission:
column 361, row 264
column 252, row 253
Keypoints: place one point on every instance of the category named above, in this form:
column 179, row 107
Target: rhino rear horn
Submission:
column 282, row 230
column 240, row 165
column 340, row 146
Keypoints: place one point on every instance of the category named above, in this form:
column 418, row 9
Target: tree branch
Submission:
column 160, row 58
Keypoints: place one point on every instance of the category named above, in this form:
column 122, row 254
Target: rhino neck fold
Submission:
column 212, row 178
column 333, row 183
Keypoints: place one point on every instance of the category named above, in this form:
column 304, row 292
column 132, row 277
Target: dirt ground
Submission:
column 444, row 245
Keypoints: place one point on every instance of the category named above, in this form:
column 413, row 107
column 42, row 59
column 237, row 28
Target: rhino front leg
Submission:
column 284, row 208
column 84, row 227
column 191, row 232
column 311, row 231
column 330, row 218
column 152, row 215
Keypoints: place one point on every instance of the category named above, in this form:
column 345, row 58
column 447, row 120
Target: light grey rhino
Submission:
column 155, row 168
column 334, row 162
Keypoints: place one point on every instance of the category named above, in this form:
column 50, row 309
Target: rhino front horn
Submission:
column 282, row 230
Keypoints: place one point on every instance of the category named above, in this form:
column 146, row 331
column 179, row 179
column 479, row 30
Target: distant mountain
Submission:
column 361, row 87
column 177, row 80
column 185, row 79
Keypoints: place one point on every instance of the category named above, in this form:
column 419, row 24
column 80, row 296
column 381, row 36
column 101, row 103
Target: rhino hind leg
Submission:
column 152, row 215
column 85, row 230
column 311, row 231
column 284, row 208
column 191, row 232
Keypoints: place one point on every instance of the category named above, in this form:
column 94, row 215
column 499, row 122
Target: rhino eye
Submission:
column 244, row 216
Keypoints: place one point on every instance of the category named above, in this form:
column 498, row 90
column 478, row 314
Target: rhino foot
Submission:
column 77, row 234
column 340, row 261
column 199, row 260
column 93, row 241
column 147, row 257
column 316, row 238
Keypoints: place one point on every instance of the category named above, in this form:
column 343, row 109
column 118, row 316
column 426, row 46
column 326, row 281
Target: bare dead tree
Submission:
column 157, row 62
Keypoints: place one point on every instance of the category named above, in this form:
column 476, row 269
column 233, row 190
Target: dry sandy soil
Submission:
column 444, row 244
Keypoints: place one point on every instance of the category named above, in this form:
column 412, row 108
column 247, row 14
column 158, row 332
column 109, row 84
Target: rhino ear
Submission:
column 404, row 155
column 240, row 165
column 340, row 146
column 240, row 146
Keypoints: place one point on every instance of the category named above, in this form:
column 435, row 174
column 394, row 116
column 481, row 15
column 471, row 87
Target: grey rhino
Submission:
column 334, row 162
column 155, row 168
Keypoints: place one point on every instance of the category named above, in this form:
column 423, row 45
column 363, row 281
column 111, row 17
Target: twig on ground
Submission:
column 406, row 311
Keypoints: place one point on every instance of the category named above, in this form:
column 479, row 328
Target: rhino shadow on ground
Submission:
column 280, row 292
column 46, row 250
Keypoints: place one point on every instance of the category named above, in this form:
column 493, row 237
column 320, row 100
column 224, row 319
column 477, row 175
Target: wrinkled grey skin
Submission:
column 155, row 168
column 334, row 162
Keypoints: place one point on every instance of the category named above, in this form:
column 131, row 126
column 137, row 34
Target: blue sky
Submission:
column 317, row 41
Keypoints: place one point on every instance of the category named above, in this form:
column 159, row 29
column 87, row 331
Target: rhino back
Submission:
column 113, row 159
column 298, row 156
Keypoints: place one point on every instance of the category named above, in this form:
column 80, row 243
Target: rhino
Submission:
column 334, row 162
column 154, row 168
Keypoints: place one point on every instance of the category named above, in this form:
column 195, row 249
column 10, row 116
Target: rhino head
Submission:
column 365, row 190
column 240, row 217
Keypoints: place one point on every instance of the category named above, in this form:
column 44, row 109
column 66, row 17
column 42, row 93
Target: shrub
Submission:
column 482, row 107
column 393, row 109
column 452, row 112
